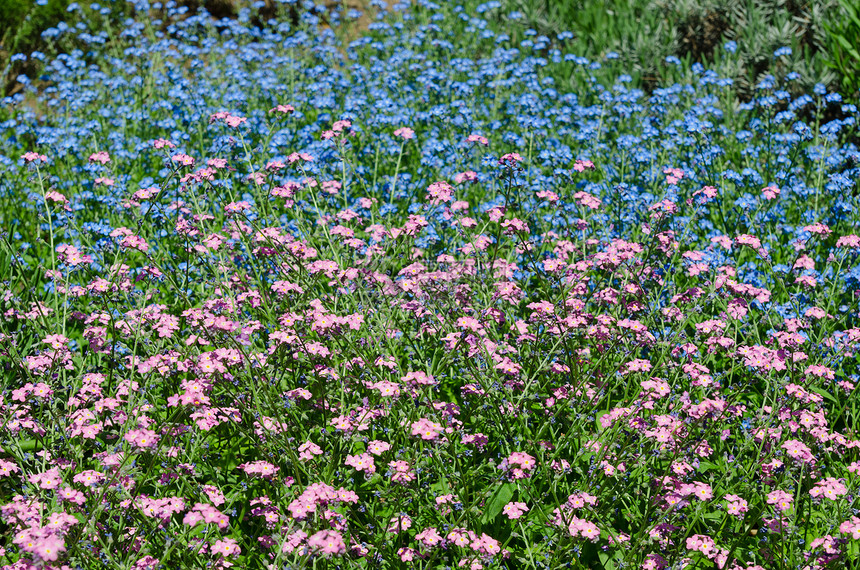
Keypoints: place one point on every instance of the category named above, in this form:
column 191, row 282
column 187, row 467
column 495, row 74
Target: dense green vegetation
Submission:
column 426, row 285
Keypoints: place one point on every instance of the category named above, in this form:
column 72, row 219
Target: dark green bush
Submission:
column 23, row 21
column 21, row 25
column 843, row 43
column 644, row 32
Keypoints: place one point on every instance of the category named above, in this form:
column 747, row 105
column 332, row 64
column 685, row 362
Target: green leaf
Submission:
column 497, row 502
column 30, row 445
column 606, row 561
column 852, row 13
column 441, row 487
column 848, row 47
column 827, row 395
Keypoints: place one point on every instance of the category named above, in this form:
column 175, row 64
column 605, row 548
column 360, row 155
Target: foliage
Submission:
column 443, row 293
column 843, row 41
column 645, row 32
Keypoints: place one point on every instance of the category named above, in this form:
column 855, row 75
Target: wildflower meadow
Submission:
column 417, row 287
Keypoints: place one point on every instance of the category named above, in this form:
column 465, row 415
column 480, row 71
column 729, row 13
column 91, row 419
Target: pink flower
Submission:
column 73, row 496
column 308, row 450
column 283, row 109
column 406, row 554
column 296, row 156
column 261, row 468
column 50, row 479
column 818, row 229
column 579, row 500
column 510, row 159
column 702, row 491
column 226, row 547
column 419, row 378
column 638, row 365
column 851, row 526
column 378, row 447
column 147, row 563
column 850, row 241
column 162, row 143
column 585, row 529
column 34, row 156
column 142, row 438
column 709, row 191
column 780, row 499
column 829, row 488
column 7, row 468
column 54, row 196
column 363, row 462
column 403, row 473
column 702, row 543
column 328, row 542
column 654, row 562
column 723, row 241
column 582, row 165
column 439, row 192
column 524, row 460
column 821, row 372
column 798, row 450
column 429, row 537
column 468, row 176
column 770, row 192
column 49, row 547
column 673, row 175
column 426, row 429
column 478, row 139
column 101, row 157
column 485, row 544
column 182, row 159
column 586, row 200
column 737, row 506
column 515, row 510
column 399, row 524
column 748, row 240
column 405, row 133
